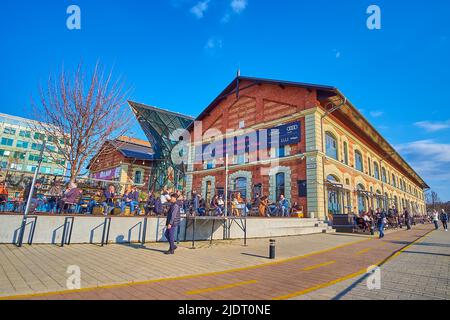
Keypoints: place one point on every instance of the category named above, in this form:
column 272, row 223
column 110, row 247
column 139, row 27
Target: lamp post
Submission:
column 30, row 196
column 226, row 184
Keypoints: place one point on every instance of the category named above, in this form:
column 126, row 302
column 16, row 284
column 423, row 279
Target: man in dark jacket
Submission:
column 407, row 218
column 172, row 222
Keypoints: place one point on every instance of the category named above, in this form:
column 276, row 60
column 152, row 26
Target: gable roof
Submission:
column 134, row 149
column 324, row 93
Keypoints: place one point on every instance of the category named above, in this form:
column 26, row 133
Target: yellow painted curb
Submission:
column 120, row 285
column 350, row 276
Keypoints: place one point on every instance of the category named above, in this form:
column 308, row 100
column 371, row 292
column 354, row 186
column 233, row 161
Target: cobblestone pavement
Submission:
column 298, row 275
column 421, row 272
column 42, row 268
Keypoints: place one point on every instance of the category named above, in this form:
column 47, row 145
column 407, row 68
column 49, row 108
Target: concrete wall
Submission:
column 88, row 229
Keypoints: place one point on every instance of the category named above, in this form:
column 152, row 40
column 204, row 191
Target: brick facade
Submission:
column 266, row 104
column 110, row 158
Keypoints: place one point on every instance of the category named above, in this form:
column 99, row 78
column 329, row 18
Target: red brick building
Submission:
column 307, row 167
column 125, row 160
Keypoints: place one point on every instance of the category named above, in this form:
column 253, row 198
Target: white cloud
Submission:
column 431, row 126
column 376, row 114
column 200, row 8
column 431, row 160
column 238, row 5
column 213, row 44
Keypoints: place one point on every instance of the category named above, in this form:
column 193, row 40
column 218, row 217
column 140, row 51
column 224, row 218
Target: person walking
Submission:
column 172, row 222
column 444, row 220
column 407, row 217
column 382, row 220
column 436, row 219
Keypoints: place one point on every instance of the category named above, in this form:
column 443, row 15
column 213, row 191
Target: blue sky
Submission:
column 179, row 54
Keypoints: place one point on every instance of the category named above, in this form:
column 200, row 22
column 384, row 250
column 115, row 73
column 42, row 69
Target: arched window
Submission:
column 361, row 198
column 240, row 185
column 359, row 161
column 280, row 184
column 383, row 175
column 379, row 198
column 394, row 182
column 345, row 153
column 331, row 146
column 376, row 171
column 334, row 196
column 138, row 177
column 369, row 162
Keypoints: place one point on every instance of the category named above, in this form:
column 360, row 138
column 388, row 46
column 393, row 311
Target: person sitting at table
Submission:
column 235, row 205
column 109, row 195
column 130, row 198
column 70, row 198
column 283, row 207
column 54, row 194
column 95, row 201
column 220, row 206
column 34, row 197
column 262, row 208
column 214, row 205
column 150, row 205
column 3, row 196
column 201, row 206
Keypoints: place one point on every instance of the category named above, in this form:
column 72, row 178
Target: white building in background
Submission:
column 20, row 147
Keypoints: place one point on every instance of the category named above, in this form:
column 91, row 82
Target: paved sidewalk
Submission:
column 281, row 279
column 421, row 272
column 42, row 268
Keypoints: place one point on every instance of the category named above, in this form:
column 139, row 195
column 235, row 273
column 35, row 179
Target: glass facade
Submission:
column 158, row 125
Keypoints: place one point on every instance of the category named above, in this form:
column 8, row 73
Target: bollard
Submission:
column 272, row 249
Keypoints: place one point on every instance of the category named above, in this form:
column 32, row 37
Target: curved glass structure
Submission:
column 158, row 124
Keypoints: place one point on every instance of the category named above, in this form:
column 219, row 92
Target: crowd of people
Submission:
column 381, row 219
column 71, row 198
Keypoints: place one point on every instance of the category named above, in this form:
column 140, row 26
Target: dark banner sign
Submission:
column 288, row 134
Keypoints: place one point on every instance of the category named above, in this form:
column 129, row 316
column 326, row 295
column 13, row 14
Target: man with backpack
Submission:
column 444, row 219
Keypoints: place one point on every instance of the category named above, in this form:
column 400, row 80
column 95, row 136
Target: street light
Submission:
column 30, row 195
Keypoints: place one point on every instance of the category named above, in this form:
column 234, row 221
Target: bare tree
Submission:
column 79, row 112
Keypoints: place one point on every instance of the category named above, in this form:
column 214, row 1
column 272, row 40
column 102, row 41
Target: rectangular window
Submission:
column 33, row 157
column 302, row 188
column 36, row 146
column 58, row 171
column 19, row 155
column 39, row 136
column 45, row 170
column 25, row 134
column 31, row 168
column 22, row 144
column 7, row 142
column 9, row 130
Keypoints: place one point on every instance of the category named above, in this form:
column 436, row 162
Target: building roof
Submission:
column 134, row 148
column 324, row 93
